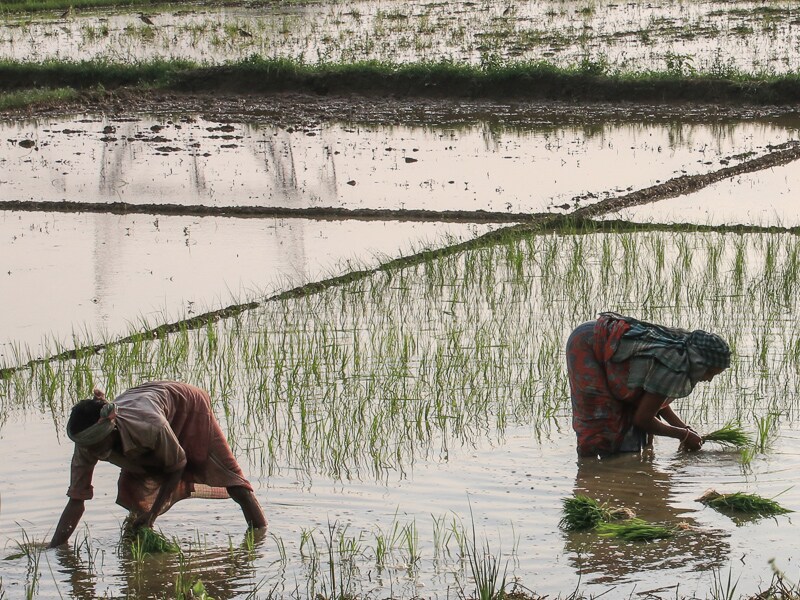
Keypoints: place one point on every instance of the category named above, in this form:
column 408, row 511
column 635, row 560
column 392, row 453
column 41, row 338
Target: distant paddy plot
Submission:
column 763, row 198
column 479, row 166
column 669, row 35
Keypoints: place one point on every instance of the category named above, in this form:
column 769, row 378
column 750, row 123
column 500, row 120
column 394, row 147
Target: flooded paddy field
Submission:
column 670, row 35
column 405, row 423
column 164, row 256
column 99, row 276
column 384, row 420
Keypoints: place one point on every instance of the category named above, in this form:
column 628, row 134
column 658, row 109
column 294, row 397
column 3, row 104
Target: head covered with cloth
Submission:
column 623, row 375
column 92, row 420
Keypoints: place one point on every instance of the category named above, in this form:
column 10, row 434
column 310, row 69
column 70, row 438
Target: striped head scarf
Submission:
column 712, row 350
column 667, row 360
column 100, row 430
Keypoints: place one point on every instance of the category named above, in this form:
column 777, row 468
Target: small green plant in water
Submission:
column 194, row 591
column 744, row 503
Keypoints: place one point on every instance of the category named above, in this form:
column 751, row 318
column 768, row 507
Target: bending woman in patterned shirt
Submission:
column 623, row 375
column 164, row 437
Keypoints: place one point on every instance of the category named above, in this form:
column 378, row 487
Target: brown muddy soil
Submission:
column 303, row 111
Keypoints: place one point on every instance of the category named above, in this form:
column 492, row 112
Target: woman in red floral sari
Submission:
column 623, row 375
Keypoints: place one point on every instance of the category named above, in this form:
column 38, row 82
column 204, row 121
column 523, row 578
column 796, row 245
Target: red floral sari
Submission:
column 602, row 403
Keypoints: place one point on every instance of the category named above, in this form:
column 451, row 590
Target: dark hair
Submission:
column 85, row 414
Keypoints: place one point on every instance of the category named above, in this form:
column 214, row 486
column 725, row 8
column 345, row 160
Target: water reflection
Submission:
column 636, row 481
column 225, row 572
column 487, row 165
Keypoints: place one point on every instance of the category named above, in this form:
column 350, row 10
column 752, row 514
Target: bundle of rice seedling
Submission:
column 744, row 503
column 582, row 512
column 149, row 541
column 730, row 434
column 635, row 530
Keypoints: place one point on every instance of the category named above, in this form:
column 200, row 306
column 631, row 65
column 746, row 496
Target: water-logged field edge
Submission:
column 588, row 81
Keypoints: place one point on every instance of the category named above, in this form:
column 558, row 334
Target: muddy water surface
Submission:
column 512, row 488
column 767, row 197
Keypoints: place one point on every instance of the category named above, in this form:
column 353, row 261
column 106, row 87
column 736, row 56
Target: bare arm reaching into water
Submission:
column 651, row 406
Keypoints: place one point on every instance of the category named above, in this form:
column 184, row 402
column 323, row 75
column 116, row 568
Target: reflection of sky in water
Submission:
column 653, row 35
column 65, row 272
column 513, row 488
column 483, row 166
column 768, row 197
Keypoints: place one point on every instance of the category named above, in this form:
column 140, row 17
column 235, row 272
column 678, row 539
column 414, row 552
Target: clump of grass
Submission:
column 582, row 512
column 149, row 541
column 36, row 97
column 635, row 530
column 744, row 503
column 729, row 434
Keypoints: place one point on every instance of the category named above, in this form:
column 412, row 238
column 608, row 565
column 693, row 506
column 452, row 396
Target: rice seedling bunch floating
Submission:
column 582, row 512
column 731, row 435
column 148, row 541
column 635, row 530
column 744, row 503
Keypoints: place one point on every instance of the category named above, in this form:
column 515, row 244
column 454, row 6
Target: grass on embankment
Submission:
column 37, row 97
column 31, row 6
column 587, row 81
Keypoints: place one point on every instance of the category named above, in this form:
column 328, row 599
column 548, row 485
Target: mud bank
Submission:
column 302, row 110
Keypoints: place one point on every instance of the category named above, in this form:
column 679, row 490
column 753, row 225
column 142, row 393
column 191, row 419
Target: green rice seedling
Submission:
column 730, row 434
column 193, row 591
column 746, row 456
column 742, row 503
column 765, row 427
column 32, row 551
column 148, row 541
column 308, row 545
column 441, row 536
column 490, row 583
column 410, row 538
column 635, row 530
column 281, row 549
column 582, row 513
